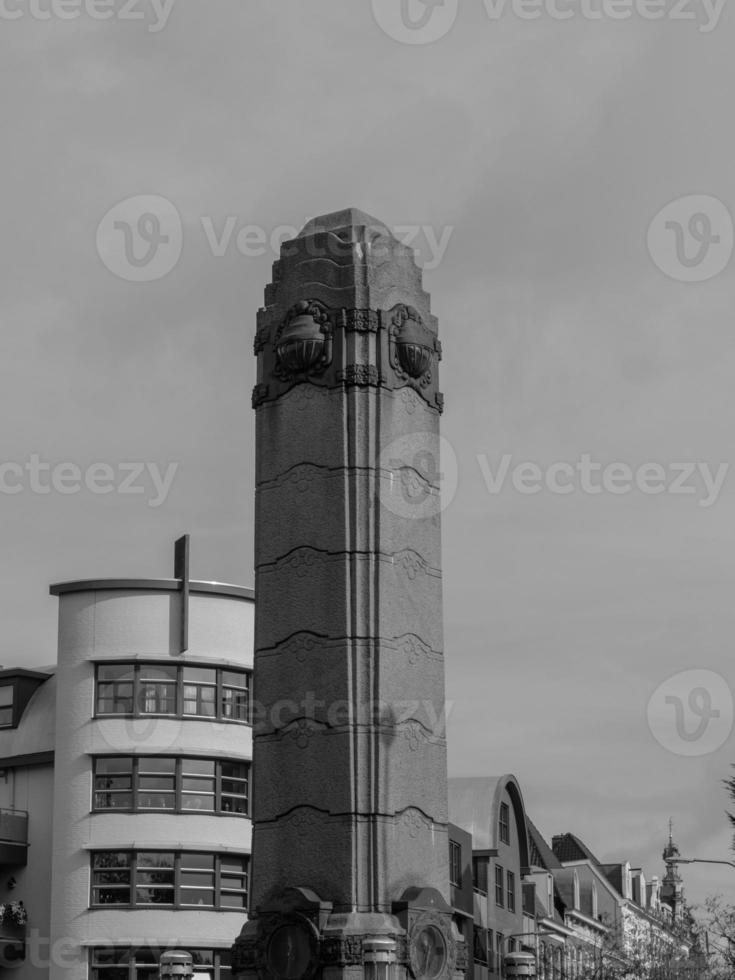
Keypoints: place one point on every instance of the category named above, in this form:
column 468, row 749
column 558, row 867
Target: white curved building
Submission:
column 147, row 810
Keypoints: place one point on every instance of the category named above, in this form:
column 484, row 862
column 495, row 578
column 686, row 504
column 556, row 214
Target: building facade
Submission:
column 132, row 760
column 491, row 810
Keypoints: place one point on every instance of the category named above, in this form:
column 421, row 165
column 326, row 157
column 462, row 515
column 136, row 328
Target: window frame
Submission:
column 181, row 792
column 455, row 864
column 504, row 824
column 479, row 943
column 499, row 886
column 221, row 878
column 478, row 862
column 9, row 710
column 510, row 890
column 142, row 688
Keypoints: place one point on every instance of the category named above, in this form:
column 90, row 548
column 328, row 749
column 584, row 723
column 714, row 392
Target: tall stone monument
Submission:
column 350, row 845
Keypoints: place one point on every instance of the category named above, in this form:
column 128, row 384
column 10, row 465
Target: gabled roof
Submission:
column 539, row 853
column 567, row 847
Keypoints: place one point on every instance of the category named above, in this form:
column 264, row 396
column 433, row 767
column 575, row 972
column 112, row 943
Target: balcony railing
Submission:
column 13, row 837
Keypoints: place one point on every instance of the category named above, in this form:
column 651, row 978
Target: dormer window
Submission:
column 17, row 686
column 7, row 701
column 594, row 900
column 576, row 890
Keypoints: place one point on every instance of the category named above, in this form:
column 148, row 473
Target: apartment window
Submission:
column 499, row 951
column 168, row 783
column 7, row 692
column 499, row 887
column 490, row 950
column 479, row 945
column 182, row 691
column 479, row 874
column 141, row 963
column 455, row 864
column 504, row 824
column 177, row 879
column 511, row 890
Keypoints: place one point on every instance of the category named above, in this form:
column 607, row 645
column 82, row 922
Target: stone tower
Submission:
column 672, row 886
column 350, row 845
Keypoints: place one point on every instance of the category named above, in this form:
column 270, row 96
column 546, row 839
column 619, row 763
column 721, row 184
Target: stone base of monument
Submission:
column 295, row 936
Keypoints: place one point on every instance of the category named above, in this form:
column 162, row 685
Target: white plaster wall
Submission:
column 135, row 624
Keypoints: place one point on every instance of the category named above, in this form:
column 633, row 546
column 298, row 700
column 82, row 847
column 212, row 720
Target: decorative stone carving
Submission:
column 303, row 342
column 360, row 321
column 360, row 374
column 432, row 952
column 260, row 393
column 414, row 821
column 413, row 347
column 342, row 951
column 301, row 645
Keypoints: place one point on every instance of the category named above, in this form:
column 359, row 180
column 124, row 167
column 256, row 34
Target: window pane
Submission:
column 157, row 699
column 111, row 859
column 200, row 675
column 235, row 678
column 154, row 859
column 154, row 896
column 197, row 896
column 118, row 763
column 233, row 900
column 235, row 704
column 157, row 672
column 156, row 801
column 115, row 698
column 198, row 767
column 234, row 770
column 199, row 700
column 115, row 672
column 198, row 862
column 6, row 695
column 198, row 801
column 149, row 764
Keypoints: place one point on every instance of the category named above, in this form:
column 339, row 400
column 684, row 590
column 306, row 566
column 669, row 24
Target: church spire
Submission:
column 672, row 890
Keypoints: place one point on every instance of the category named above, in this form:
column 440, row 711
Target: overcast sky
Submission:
column 528, row 158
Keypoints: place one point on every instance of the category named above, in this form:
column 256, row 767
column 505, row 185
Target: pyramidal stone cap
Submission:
column 346, row 219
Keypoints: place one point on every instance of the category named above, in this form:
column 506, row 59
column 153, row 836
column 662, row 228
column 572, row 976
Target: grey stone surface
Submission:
column 349, row 794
